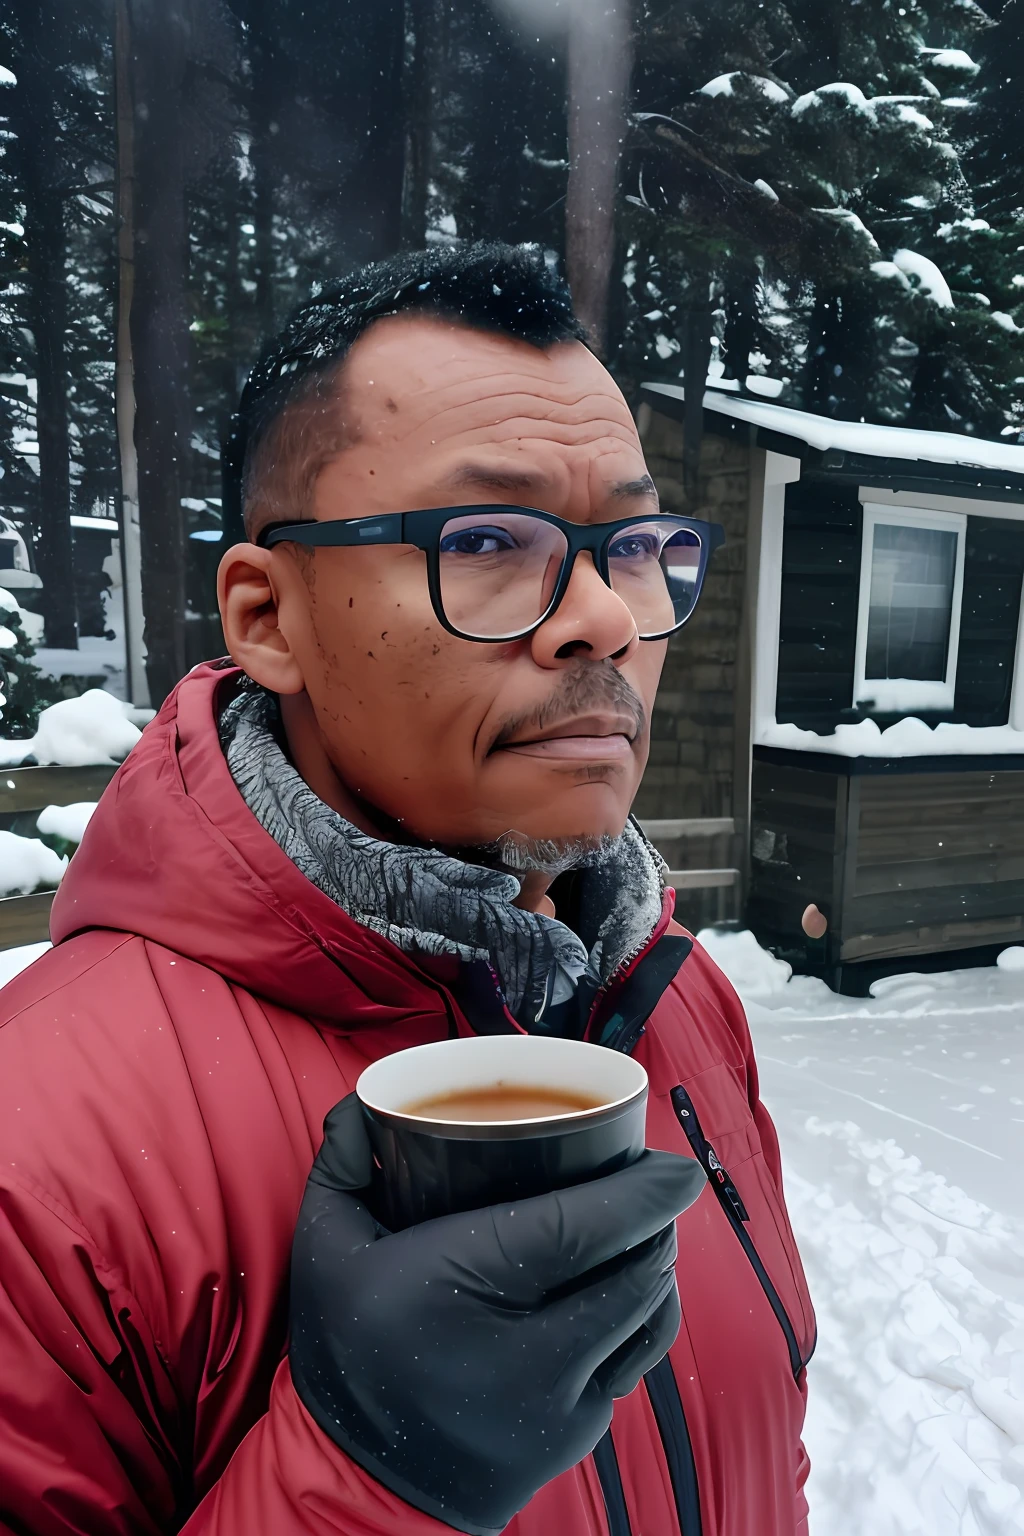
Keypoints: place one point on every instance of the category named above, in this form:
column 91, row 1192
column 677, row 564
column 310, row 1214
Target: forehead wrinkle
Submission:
column 487, row 387
column 565, row 434
column 522, row 416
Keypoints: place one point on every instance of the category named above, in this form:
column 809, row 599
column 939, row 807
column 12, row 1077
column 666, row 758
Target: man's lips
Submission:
column 588, row 738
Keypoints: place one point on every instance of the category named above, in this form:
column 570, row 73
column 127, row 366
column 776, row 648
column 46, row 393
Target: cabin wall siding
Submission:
column 691, row 771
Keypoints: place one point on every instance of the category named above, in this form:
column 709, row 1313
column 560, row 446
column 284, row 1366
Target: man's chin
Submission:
column 519, row 854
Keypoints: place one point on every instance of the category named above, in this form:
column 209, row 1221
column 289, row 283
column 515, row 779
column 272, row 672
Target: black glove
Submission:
column 467, row 1361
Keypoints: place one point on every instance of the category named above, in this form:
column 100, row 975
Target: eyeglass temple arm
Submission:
column 361, row 530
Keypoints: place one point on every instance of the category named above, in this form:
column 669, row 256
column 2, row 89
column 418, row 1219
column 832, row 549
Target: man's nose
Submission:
column 590, row 621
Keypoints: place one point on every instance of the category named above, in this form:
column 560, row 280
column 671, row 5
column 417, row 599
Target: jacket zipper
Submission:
column 731, row 1203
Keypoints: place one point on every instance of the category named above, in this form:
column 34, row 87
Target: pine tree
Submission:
column 798, row 174
column 25, row 689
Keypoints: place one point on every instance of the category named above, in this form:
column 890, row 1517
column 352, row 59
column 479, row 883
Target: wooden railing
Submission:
column 672, row 831
column 26, row 919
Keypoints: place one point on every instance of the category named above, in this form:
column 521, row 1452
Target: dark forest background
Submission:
column 818, row 200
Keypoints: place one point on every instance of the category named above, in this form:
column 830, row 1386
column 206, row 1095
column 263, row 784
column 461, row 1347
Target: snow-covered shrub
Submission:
column 62, row 827
column 93, row 728
column 27, row 865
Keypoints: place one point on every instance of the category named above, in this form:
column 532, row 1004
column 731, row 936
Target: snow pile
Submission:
column 27, row 865
column 900, row 1120
column 852, row 223
column 12, row 961
column 913, row 118
column 891, row 272
column 953, row 59
column 929, row 278
column 770, row 389
column 94, row 728
column 907, row 738
column 725, row 85
column 756, row 974
column 66, row 821
column 840, row 90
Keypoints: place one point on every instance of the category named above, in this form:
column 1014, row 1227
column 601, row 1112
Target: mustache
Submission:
column 584, row 687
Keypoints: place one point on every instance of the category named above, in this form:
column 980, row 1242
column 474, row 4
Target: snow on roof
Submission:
column 6, row 77
column 860, row 437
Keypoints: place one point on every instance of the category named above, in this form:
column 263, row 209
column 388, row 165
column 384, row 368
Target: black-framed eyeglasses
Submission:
column 498, row 572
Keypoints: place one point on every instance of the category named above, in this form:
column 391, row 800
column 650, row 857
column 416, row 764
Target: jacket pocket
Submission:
column 729, row 1199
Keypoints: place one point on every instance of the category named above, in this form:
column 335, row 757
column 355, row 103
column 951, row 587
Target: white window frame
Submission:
column 894, row 695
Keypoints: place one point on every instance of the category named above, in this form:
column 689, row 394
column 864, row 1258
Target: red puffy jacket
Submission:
column 164, row 1074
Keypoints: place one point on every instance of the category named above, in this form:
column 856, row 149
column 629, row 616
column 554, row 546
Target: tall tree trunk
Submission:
column 160, row 34
column 124, row 375
column 34, row 113
column 424, row 18
column 823, row 352
column 369, row 113
column 740, row 322
column 600, row 62
column 264, row 131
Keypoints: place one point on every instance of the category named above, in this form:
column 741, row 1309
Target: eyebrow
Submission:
column 495, row 479
column 492, row 478
column 645, row 486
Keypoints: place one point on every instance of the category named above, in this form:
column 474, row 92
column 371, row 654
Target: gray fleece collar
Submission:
column 428, row 903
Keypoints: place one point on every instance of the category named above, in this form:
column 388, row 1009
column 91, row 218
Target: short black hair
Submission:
column 511, row 290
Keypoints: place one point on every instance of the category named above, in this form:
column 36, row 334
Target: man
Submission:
column 401, row 815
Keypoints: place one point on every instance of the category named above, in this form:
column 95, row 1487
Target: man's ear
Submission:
column 249, row 591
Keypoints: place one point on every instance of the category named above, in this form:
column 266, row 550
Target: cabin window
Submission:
column 908, row 627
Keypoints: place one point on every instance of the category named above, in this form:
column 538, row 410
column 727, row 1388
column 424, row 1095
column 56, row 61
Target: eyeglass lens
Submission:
column 499, row 575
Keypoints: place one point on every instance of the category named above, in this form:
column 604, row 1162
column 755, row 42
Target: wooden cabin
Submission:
column 842, row 721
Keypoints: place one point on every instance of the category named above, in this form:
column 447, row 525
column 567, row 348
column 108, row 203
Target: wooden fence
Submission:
column 24, row 792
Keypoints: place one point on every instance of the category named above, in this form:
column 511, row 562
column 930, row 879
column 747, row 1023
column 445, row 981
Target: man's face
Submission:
column 463, row 742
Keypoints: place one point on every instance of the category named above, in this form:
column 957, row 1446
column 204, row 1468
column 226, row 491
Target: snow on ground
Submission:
column 901, row 1118
column 14, row 960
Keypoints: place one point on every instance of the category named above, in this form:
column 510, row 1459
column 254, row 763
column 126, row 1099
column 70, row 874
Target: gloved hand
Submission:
column 467, row 1361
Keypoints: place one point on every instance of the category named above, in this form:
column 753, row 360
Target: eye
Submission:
column 636, row 544
column 477, row 541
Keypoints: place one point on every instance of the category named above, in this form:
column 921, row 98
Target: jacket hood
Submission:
column 173, row 854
